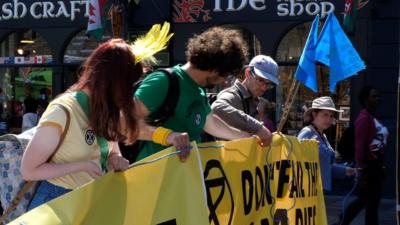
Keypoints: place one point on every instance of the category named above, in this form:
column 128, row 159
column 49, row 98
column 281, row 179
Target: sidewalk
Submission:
column 387, row 210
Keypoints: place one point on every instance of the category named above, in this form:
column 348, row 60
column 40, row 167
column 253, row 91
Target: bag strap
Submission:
column 167, row 108
column 83, row 100
column 29, row 184
column 244, row 102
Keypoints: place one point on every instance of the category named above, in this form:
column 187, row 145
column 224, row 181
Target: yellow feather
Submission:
column 155, row 40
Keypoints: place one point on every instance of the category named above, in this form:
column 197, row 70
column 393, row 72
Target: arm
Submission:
column 35, row 165
column 115, row 159
column 340, row 171
column 228, row 107
column 179, row 140
column 217, row 127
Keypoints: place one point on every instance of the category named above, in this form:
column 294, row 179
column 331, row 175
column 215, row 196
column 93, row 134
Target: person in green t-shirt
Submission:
column 212, row 57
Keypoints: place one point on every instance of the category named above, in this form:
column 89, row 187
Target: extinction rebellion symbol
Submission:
column 89, row 137
column 213, row 184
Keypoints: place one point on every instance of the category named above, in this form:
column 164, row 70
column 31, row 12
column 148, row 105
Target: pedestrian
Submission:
column 370, row 141
column 212, row 57
column 98, row 105
column 318, row 118
column 30, row 117
column 266, row 110
column 43, row 100
column 237, row 105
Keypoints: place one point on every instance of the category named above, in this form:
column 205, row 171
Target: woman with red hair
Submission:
column 76, row 137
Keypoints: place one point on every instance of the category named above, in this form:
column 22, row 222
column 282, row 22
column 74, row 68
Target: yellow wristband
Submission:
column 160, row 135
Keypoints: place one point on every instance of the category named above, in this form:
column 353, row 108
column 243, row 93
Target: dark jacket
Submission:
column 365, row 132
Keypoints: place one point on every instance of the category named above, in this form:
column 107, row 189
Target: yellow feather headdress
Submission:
column 155, row 40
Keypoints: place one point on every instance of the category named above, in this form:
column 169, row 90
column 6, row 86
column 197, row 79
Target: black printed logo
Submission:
column 214, row 184
column 197, row 119
column 90, row 137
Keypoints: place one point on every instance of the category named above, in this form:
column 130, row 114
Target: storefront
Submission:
column 42, row 44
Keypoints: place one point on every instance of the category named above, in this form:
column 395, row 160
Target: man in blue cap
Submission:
column 237, row 105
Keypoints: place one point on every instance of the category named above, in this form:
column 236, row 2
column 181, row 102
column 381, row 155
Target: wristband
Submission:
column 160, row 135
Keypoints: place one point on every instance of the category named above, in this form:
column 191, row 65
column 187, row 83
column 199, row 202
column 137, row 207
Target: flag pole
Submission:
column 288, row 103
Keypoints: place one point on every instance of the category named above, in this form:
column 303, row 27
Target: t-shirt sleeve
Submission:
column 53, row 116
column 153, row 90
column 306, row 134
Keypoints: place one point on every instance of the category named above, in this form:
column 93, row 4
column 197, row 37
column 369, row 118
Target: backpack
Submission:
column 346, row 145
column 15, row 192
column 166, row 110
column 11, row 149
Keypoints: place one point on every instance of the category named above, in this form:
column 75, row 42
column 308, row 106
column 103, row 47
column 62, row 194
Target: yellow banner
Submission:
column 240, row 182
column 247, row 184
column 165, row 192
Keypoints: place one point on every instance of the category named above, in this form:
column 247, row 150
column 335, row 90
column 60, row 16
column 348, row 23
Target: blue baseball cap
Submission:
column 265, row 67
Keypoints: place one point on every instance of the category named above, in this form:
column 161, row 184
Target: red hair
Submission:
column 110, row 73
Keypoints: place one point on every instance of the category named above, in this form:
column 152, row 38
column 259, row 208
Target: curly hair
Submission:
column 110, row 73
column 218, row 49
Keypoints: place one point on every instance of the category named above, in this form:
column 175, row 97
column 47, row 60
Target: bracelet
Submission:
column 160, row 135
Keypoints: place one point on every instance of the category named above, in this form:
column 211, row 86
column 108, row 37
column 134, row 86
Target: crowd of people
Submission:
column 78, row 134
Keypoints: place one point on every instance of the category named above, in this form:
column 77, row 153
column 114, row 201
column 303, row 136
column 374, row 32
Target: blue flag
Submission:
column 306, row 72
column 335, row 50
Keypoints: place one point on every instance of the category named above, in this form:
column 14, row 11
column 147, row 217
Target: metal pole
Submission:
column 398, row 153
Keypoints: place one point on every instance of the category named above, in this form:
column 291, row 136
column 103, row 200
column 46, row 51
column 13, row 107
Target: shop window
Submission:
column 25, row 47
column 25, row 86
column 19, row 85
column 78, row 49
column 81, row 46
column 288, row 55
column 289, row 49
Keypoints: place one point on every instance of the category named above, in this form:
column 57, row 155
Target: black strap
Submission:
column 167, row 108
column 244, row 102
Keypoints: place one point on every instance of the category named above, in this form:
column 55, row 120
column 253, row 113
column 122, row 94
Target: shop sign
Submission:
column 192, row 11
column 39, row 10
column 299, row 7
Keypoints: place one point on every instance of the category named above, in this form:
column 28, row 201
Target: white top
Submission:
column 380, row 139
column 29, row 120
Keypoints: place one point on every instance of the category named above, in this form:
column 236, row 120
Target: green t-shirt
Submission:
column 191, row 110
